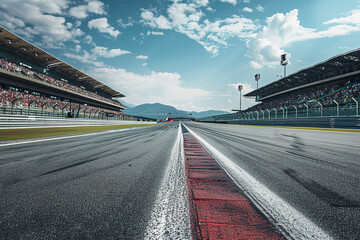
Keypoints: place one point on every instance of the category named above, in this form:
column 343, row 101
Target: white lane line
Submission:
column 65, row 137
column 294, row 222
column 170, row 215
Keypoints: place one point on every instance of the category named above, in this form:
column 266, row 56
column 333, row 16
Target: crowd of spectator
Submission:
column 342, row 92
column 25, row 100
column 12, row 67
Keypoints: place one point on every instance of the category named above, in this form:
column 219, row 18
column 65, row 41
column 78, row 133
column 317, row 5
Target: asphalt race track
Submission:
column 105, row 186
column 316, row 172
column 99, row 187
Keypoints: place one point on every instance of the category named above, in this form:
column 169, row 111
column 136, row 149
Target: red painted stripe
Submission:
column 218, row 208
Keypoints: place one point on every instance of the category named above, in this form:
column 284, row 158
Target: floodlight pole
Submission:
column 240, row 87
column 283, row 62
column 257, row 78
column 357, row 106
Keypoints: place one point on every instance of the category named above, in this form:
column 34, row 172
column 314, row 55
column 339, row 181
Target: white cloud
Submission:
column 260, row 8
column 247, row 9
column 85, row 58
column 234, row 2
column 83, row 11
column 96, row 52
column 102, row 25
column 149, row 19
column 144, row 64
column 140, row 89
column 281, row 31
column 125, row 25
column 142, row 57
column 186, row 18
column 353, row 18
column 41, row 18
column 154, row 33
column 104, row 52
column 77, row 48
column 210, row 9
column 246, row 1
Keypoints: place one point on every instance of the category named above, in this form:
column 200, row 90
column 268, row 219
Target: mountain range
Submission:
column 160, row 111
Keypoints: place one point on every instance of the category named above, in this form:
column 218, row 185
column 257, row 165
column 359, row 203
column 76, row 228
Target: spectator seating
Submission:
column 12, row 67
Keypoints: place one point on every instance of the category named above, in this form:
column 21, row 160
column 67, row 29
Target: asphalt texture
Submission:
column 101, row 186
column 316, row 172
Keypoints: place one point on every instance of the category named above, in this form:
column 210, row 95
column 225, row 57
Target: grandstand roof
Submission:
column 18, row 45
column 309, row 76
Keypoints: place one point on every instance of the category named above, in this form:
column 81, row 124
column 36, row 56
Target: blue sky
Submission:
column 191, row 54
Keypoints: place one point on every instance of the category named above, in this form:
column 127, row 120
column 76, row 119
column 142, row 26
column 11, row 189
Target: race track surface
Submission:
column 105, row 186
column 98, row 187
column 316, row 172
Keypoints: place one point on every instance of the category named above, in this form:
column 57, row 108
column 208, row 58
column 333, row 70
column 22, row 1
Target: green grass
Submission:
column 23, row 133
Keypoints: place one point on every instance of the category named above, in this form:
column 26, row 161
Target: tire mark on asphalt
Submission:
column 323, row 193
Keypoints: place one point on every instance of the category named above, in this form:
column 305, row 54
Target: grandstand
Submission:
column 33, row 82
column 329, row 88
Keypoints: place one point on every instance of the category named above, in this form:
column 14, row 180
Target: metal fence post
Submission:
column 337, row 108
column 295, row 111
column 321, row 109
column 263, row 113
column 307, row 110
column 283, row 112
column 357, row 106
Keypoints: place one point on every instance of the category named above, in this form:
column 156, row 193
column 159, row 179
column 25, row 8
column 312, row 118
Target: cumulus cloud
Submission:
column 140, row 89
column 233, row 2
column 96, row 52
column 123, row 24
column 85, row 58
column 281, row 30
column 104, row 52
column 159, row 22
column 260, row 8
column 247, row 9
column 352, row 18
column 102, row 25
column 186, row 18
column 83, row 11
column 142, row 57
column 41, row 18
column 154, row 33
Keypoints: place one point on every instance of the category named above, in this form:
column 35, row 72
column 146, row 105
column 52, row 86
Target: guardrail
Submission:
column 38, row 112
column 16, row 121
column 323, row 122
column 294, row 111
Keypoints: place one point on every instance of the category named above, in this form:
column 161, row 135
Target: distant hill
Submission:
column 128, row 105
column 161, row 111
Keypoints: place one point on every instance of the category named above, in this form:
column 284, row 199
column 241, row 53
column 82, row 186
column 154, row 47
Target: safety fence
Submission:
column 295, row 111
column 83, row 113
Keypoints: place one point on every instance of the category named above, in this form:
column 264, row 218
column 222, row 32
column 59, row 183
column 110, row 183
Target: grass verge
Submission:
column 23, row 133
